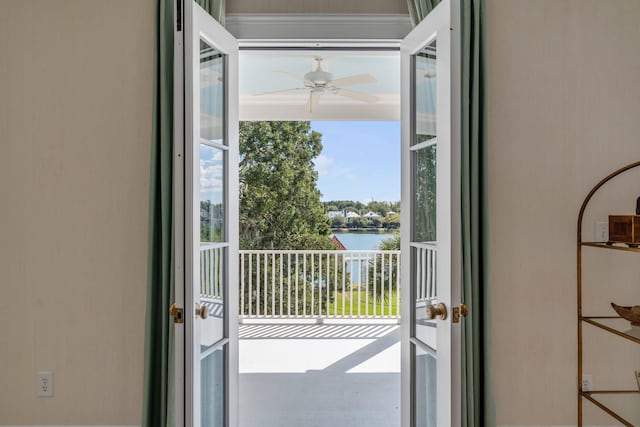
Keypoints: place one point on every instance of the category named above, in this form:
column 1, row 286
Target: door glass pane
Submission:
column 211, row 94
column 212, row 388
column 424, row 194
column 425, row 366
column 425, row 93
column 212, row 279
column 212, row 180
column 424, row 292
column 213, row 248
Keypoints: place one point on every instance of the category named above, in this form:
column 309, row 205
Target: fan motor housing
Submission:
column 318, row 77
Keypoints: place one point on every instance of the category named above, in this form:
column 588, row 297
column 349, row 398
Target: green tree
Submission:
column 280, row 208
column 280, row 205
column 338, row 221
column 392, row 221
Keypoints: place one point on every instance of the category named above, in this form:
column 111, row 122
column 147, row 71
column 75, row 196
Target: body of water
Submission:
column 361, row 240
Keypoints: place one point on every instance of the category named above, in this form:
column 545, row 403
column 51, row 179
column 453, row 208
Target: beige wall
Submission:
column 317, row 6
column 75, row 121
column 564, row 103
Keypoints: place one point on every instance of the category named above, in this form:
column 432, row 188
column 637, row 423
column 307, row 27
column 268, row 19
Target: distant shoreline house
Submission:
column 350, row 216
column 371, row 215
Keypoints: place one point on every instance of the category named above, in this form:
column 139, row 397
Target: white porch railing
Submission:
column 298, row 284
column 425, row 270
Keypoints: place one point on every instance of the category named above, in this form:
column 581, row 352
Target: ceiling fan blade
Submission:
column 293, row 76
column 295, row 89
column 364, row 97
column 359, row 79
column 314, row 100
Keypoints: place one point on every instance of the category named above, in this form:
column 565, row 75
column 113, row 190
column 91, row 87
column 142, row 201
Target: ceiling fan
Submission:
column 318, row 81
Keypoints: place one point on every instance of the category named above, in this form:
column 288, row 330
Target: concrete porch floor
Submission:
column 319, row 375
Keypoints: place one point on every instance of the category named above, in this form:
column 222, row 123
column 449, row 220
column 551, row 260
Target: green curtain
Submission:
column 478, row 407
column 214, row 7
column 158, row 368
column 418, row 9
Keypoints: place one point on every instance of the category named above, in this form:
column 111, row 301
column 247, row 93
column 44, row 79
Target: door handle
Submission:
column 202, row 311
column 437, row 311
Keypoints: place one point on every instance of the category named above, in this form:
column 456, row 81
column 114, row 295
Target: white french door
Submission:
column 431, row 389
column 210, row 223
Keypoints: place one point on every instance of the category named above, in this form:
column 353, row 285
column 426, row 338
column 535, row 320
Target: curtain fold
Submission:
column 216, row 8
column 478, row 405
column 158, row 405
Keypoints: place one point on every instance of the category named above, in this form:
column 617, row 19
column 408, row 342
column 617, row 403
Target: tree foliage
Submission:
column 280, row 205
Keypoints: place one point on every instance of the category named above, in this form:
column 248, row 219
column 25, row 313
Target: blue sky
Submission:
column 360, row 160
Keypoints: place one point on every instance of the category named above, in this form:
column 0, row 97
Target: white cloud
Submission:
column 327, row 166
column 324, row 165
column 211, row 178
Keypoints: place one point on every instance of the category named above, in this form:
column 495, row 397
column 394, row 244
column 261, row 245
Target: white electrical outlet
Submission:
column 587, row 382
column 602, row 232
column 44, row 384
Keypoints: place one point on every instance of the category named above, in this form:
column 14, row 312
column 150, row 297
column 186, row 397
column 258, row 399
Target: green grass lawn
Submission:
column 346, row 296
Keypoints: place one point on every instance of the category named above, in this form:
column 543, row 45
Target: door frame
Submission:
column 272, row 44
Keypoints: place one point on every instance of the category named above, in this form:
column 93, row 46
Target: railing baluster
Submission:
column 304, row 284
column 265, row 295
column 289, row 284
column 281, row 286
column 258, row 284
column 398, row 284
column 351, row 288
column 319, row 284
column 366, row 286
column 250, row 293
column 335, row 284
column 375, row 284
column 297, row 275
column 327, row 287
column 382, row 290
column 344, row 281
column 241, row 284
column 313, row 265
column 359, row 283
column 273, row 284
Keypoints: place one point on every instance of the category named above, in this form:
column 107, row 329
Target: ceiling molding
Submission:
column 318, row 26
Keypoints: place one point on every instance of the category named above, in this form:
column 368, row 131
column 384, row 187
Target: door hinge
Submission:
column 463, row 310
column 177, row 314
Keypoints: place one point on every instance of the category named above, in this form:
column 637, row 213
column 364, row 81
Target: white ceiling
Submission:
column 258, row 74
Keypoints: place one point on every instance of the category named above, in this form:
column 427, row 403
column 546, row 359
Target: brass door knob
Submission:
column 202, row 311
column 464, row 310
column 438, row 311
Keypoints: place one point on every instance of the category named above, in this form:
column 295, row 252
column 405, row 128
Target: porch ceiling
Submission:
column 259, row 73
